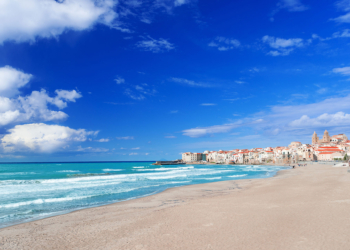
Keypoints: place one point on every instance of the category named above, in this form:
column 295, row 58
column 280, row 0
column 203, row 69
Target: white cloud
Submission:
column 146, row 153
column 254, row 70
column 135, row 148
column 287, row 119
column 133, row 95
column 170, row 137
column 208, row 104
column 343, row 71
column 27, row 20
column 11, row 80
column 174, row 112
column 199, row 132
column 240, row 82
column 133, row 153
column 119, row 80
column 91, row 149
column 339, row 34
column 343, row 19
column 322, row 90
column 283, row 46
column 181, row 2
column 42, row 138
column 223, row 43
column 324, row 120
column 169, row 5
column 125, row 138
column 139, row 92
column 344, row 34
column 189, row 82
column 34, row 107
column 278, row 43
column 103, row 140
column 154, row 45
column 291, row 5
column 343, row 5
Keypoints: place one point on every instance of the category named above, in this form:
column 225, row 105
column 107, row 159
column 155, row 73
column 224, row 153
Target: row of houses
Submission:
column 328, row 149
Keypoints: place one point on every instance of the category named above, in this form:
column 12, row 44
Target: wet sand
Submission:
column 302, row 208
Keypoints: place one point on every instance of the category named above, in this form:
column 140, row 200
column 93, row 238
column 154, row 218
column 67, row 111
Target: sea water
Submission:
column 30, row 191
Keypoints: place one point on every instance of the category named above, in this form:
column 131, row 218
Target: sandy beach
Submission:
column 302, row 208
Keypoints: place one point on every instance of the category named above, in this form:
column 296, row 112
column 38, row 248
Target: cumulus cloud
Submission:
column 283, row 46
column 11, row 80
column 324, row 120
column 43, row 138
column 189, row 82
column 35, row 107
column 154, row 45
column 223, row 43
column 27, row 20
column 125, row 138
column 137, row 148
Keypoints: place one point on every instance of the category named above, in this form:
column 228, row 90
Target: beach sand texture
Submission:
column 302, row 208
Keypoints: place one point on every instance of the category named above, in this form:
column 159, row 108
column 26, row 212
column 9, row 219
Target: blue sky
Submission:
column 84, row 80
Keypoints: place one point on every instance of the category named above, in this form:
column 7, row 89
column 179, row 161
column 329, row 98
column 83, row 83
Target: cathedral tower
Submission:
column 315, row 138
column 326, row 138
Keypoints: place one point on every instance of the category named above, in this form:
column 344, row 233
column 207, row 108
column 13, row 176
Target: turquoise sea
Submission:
column 30, row 191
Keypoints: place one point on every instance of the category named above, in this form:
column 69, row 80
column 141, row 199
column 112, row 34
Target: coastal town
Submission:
column 329, row 148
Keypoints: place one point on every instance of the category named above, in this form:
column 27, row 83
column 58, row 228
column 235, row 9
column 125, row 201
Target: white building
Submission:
column 190, row 157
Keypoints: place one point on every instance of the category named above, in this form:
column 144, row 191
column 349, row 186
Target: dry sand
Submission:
column 302, row 208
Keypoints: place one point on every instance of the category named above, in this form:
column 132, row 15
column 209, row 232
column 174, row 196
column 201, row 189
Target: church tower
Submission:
column 315, row 138
column 326, row 138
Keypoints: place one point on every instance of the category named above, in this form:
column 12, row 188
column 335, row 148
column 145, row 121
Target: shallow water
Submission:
column 30, row 191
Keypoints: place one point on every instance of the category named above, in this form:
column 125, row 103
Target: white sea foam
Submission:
column 68, row 171
column 18, row 173
column 86, row 190
column 64, row 199
column 236, row 176
column 166, row 177
column 166, row 169
column 213, row 178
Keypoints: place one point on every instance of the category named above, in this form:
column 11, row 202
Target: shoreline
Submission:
column 235, row 207
column 55, row 214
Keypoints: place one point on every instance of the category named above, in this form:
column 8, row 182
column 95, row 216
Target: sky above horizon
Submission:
column 108, row 80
